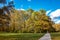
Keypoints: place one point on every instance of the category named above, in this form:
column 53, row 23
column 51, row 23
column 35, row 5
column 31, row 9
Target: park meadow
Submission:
column 26, row 24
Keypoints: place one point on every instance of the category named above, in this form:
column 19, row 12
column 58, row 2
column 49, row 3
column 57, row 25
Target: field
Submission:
column 55, row 36
column 20, row 36
column 26, row 36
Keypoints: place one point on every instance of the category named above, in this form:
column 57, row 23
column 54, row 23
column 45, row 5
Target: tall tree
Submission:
column 47, row 23
column 4, row 15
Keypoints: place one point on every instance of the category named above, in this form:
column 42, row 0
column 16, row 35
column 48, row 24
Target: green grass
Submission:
column 20, row 36
column 26, row 36
column 55, row 36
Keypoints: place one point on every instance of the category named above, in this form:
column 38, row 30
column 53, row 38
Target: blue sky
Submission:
column 38, row 4
column 51, row 6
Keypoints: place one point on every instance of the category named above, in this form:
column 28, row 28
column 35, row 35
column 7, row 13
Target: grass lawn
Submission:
column 26, row 36
column 20, row 36
column 55, row 36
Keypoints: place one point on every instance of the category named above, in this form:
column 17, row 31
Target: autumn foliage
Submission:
column 25, row 21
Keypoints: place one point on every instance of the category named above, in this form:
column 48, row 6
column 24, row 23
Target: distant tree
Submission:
column 56, row 27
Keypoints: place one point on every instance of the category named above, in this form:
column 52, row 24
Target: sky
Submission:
column 52, row 7
column 37, row 4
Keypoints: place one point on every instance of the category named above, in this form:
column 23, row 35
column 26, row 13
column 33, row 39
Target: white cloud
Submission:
column 29, row 0
column 17, row 9
column 48, row 12
column 57, row 21
column 54, row 14
column 20, row 9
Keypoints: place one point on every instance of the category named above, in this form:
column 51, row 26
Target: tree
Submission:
column 30, row 10
column 56, row 27
column 4, row 16
column 39, row 22
column 46, row 21
column 33, row 23
column 16, row 21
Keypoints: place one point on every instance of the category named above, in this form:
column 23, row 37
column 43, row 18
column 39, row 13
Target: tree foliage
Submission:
column 4, row 16
column 56, row 27
column 27, row 21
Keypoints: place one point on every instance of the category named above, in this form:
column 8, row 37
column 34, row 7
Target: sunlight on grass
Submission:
column 21, row 36
column 55, row 36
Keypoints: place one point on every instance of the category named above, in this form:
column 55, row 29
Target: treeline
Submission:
column 29, row 21
column 25, row 21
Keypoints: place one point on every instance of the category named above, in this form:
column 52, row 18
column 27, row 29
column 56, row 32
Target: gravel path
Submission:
column 46, row 37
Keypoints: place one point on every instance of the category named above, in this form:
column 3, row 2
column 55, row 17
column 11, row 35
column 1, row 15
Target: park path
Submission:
column 46, row 37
